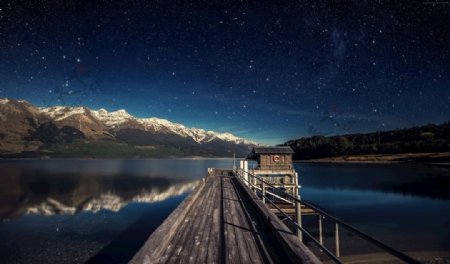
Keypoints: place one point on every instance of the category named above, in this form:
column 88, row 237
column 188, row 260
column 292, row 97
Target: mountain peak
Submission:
column 4, row 100
column 112, row 119
column 58, row 113
column 120, row 127
column 121, row 111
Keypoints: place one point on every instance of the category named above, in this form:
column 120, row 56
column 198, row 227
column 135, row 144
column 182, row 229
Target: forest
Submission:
column 423, row 139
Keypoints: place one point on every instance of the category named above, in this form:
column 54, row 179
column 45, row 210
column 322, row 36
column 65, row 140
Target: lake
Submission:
column 74, row 211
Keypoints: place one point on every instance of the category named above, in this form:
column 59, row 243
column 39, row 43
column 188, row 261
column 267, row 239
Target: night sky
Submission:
column 264, row 71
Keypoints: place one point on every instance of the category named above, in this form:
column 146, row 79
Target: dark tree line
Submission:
column 429, row 138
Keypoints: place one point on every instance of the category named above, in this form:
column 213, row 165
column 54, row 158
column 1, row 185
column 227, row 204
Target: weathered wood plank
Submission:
column 215, row 246
column 200, row 256
column 237, row 224
column 190, row 227
column 295, row 250
column 213, row 225
column 199, row 244
column 249, row 234
column 230, row 236
column 160, row 238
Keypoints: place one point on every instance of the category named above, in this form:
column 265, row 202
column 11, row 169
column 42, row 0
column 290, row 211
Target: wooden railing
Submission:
column 274, row 167
column 259, row 185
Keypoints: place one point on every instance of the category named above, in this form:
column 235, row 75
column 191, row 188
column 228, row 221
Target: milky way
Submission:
column 267, row 72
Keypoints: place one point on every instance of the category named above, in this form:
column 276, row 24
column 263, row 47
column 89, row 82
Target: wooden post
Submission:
column 320, row 229
column 337, row 240
column 245, row 165
column 241, row 167
column 254, row 182
column 298, row 208
column 263, row 192
column 250, row 183
column 298, row 213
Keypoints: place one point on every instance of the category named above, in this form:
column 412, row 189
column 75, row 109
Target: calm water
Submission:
column 405, row 205
column 63, row 211
column 103, row 210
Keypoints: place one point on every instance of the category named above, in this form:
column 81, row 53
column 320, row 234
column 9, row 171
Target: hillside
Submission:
column 423, row 139
column 80, row 132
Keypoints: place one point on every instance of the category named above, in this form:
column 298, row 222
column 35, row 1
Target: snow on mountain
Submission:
column 112, row 119
column 115, row 118
column 197, row 134
column 58, row 113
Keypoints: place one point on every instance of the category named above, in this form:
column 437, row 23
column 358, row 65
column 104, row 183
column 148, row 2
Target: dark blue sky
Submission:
column 268, row 72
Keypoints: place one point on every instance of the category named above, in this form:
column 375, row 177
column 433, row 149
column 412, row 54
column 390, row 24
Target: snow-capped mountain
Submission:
column 112, row 119
column 117, row 118
column 59, row 113
column 31, row 128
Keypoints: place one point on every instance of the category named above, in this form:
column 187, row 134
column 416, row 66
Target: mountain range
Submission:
column 80, row 132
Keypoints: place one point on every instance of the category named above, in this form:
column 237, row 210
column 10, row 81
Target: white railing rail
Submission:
column 252, row 181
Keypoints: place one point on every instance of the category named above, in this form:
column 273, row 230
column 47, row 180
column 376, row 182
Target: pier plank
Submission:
column 219, row 222
column 249, row 232
column 213, row 254
column 200, row 246
column 200, row 256
column 183, row 239
column 161, row 237
column 246, row 241
column 230, row 236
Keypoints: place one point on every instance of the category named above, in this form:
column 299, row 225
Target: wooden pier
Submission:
column 223, row 221
column 249, row 215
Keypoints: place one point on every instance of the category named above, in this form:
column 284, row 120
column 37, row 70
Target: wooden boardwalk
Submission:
column 222, row 221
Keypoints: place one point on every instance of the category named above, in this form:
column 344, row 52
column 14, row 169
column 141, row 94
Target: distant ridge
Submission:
column 421, row 139
column 63, row 131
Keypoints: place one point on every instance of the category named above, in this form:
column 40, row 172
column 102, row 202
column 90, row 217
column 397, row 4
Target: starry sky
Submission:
column 263, row 70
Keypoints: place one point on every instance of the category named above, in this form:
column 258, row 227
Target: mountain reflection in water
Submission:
column 68, row 211
column 37, row 192
column 102, row 211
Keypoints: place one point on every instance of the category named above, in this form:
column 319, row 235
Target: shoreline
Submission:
column 156, row 158
column 436, row 158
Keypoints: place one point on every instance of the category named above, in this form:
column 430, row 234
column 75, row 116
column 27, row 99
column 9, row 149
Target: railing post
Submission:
column 254, row 182
column 298, row 208
column 298, row 213
column 337, row 240
column 245, row 165
column 241, row 166
column 320, row 229
column 263, row 192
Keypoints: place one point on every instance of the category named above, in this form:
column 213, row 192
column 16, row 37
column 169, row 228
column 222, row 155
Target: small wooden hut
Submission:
column 272, row 158
column 274, row 165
